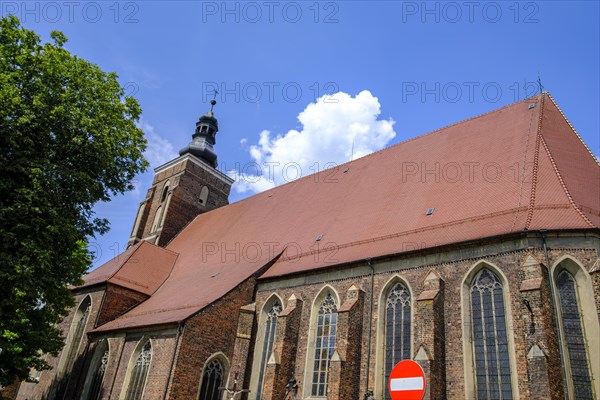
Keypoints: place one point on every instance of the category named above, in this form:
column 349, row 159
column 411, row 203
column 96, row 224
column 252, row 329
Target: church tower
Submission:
column 183, row 188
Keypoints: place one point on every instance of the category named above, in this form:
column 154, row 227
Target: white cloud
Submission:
column 332, row 128
column 250, row 183
column 159, row 149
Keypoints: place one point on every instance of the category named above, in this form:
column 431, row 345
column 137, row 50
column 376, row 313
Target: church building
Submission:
column 472, row 250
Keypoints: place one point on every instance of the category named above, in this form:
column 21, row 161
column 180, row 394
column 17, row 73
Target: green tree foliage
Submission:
column 68, row 139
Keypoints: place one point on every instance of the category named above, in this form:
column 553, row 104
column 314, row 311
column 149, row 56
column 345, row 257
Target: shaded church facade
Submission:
column 473, row 250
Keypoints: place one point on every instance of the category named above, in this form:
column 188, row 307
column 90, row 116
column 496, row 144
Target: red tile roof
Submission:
column 516, row 168
column 143, row 268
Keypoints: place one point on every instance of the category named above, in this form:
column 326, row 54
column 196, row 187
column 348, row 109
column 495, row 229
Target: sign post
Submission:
column 407, row 381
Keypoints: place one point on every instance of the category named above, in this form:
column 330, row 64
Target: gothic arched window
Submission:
column 165, row 191
column 212, row 380
column 267, row 345
column 574, row 336
column 324, row 345
column 139, row 373
column 490, row 340
column 96, row 372
column 397, row 328
column 76, row 333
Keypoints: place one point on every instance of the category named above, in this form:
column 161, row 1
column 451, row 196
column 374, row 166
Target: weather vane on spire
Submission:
column 539, row 82
column 214, row 100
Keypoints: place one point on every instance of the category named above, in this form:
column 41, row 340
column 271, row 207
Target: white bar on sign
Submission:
column 406, row 384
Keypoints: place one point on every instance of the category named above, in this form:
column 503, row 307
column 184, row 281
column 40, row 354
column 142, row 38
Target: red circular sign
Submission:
column 407, row 381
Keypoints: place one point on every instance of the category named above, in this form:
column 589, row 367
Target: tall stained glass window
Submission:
column 97, row 370
column 574, row 337
column 269, row 338
column 490, row 340
column 139, row 374
column 212, row 380
column 397, row 329
column 77, row 331
column 324, row 345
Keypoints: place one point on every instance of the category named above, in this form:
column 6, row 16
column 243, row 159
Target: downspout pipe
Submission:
column 368, row 393
column 555, row 314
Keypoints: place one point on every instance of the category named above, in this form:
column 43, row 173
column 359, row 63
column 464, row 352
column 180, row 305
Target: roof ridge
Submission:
column 160, row 247
column 536, row 159
column 572, row 128
column 522, row 180
column 564, row 186
column 447, row 126
column 553, row 162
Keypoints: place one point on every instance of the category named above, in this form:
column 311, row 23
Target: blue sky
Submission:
column 400, row 69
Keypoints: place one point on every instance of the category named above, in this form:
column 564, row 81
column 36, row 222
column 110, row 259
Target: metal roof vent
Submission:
column 346, row 170
column 532, row 105
column 318, row 239
column 430, row 211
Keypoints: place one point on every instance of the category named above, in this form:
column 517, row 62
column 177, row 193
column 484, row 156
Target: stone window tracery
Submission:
column 574, row 336
column 77, row 331
column 98, row 370
column 139, row 374
column 397, row 329
column 268, row 340
column 324, row 345
column 212, row 380
column 490, row 340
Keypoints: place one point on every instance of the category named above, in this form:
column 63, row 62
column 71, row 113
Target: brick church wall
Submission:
column 117, row 300
column 211, row 331
column 442, row 317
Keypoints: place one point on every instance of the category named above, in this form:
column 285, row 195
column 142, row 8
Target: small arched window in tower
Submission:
column 212, row 380
column 324, row 345
column 139, row 373
column 574, row 335
column 165, row 191
column 490, row 339
column 97, row 369
column 269, row 339
column 203, row 200
column 397, row 328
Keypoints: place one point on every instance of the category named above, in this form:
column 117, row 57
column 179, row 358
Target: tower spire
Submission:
column 203, row 138
column 213, row 101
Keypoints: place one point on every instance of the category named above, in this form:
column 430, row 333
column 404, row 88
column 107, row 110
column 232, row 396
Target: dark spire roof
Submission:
column 203, row 138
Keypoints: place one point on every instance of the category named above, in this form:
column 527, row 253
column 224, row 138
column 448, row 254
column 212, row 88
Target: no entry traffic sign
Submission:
column 407, row 381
